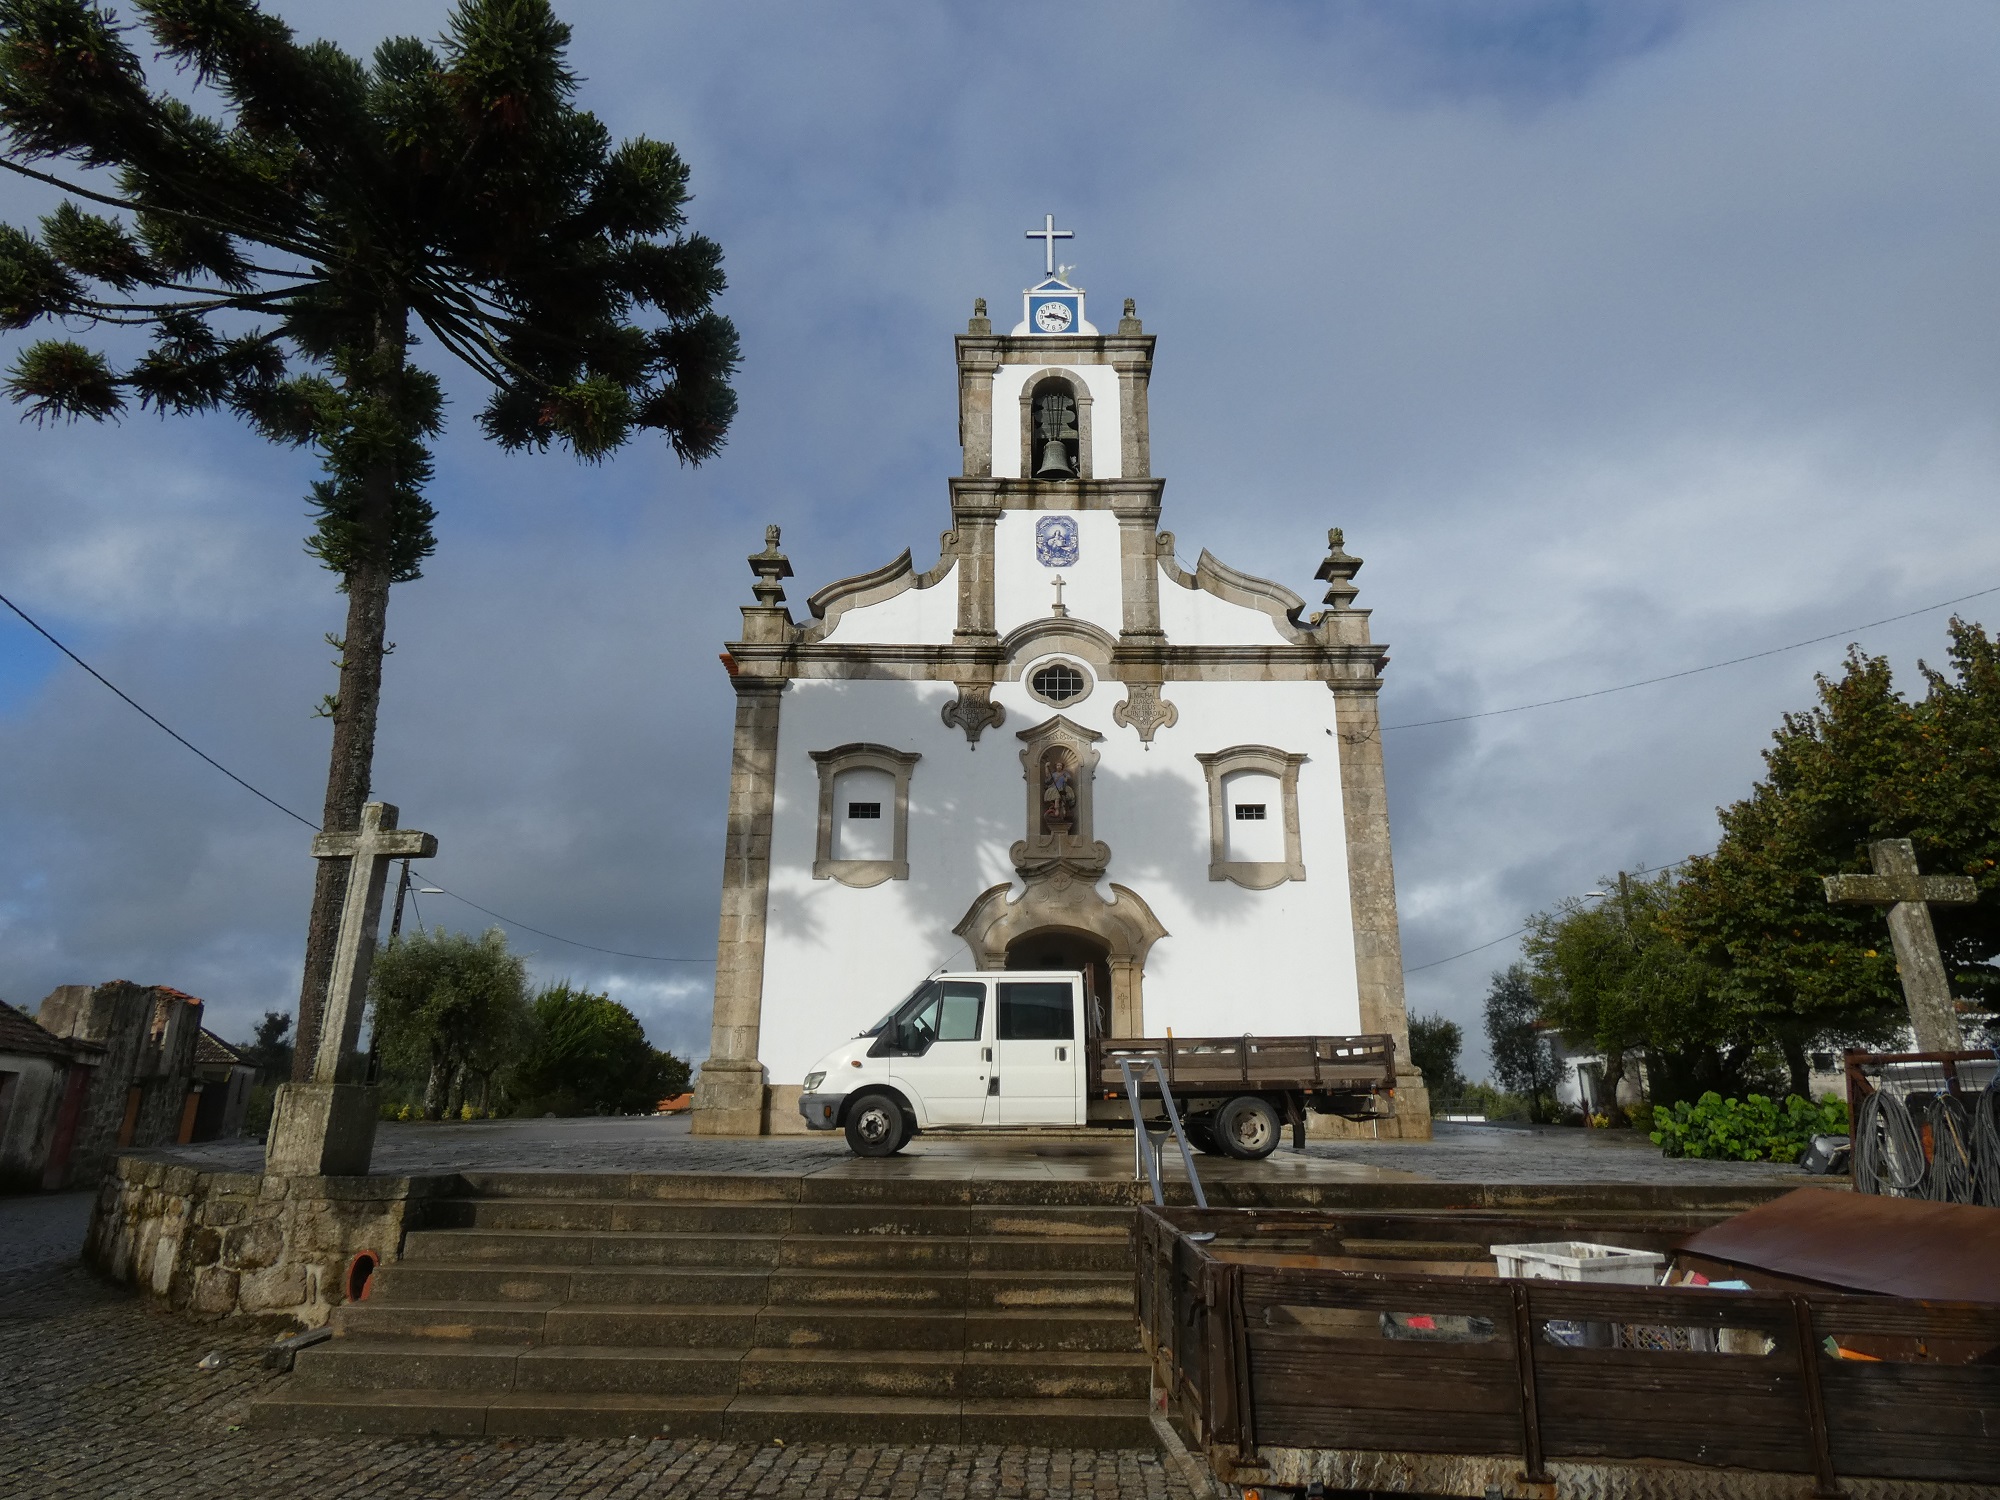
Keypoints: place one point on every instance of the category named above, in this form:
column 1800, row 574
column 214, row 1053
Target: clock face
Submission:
column 1053, row 317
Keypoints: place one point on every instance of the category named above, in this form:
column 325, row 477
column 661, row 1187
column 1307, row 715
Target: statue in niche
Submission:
column 1058, row 791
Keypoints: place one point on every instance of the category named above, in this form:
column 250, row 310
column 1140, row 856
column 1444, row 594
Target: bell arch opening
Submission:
column 1067, row 948
column 1057, row 450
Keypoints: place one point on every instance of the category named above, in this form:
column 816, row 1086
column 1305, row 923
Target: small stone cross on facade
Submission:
column 369, row 851
column 1909, row 897
column 1059, row 609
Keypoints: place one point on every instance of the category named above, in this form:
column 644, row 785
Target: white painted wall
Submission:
column 1195, row 617
column 1277, row 961
column 1107, row 445
column 1022, row 587
column 1257, row 838
column 917, row 616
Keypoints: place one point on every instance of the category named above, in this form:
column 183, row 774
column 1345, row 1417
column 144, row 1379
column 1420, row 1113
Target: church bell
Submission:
column 1055, row 461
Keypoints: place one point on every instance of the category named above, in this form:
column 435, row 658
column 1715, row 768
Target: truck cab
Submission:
column 984, row 1050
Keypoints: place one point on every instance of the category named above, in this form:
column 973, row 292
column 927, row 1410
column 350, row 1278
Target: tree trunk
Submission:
column 1614, row 1074
column 435, row 1090
column 357, row 699
column 1798, row 1065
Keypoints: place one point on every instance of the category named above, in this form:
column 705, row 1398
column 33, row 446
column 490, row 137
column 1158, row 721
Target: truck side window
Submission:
column 1036, row 1013
column 963, row 1013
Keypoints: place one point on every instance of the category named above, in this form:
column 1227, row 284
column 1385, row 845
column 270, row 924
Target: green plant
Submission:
column 591, row 1056
column 1754, row 1128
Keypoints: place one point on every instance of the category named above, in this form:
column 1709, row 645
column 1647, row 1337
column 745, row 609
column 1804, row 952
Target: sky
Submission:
column 1620, row 339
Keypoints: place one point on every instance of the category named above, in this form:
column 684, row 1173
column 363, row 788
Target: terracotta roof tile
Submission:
column 212, row 1049
column 21, row 1036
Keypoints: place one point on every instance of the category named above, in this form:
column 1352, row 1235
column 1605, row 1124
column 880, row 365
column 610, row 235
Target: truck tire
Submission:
column 1247, row 1128
column 875, row 1126
column 1201, row 1134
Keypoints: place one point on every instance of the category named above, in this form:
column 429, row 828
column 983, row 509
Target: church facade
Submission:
column 1059, row 746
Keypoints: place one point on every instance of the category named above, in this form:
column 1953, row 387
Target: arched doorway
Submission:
column 1061, row 920
column 1065, row 948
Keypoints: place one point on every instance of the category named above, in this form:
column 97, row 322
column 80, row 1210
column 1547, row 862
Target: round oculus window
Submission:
column 1059, row 682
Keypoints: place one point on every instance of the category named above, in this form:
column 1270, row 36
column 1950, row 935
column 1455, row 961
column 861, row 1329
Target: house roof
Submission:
column 21, row 1036
column 210, row 1049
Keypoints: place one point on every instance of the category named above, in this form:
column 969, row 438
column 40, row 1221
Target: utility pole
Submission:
column 403, row 888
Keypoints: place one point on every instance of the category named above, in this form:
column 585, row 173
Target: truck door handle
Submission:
column 1062, row 1054
column 993, row 1084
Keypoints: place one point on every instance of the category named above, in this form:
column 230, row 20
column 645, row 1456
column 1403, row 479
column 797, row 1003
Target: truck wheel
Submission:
column 1247, row 1128
column 1201, row 1134
column 875, row 1126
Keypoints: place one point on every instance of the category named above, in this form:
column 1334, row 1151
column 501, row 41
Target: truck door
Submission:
column 941, row 1058
column 1037, row 1053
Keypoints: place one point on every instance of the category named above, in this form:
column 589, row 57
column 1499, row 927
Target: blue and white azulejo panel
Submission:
column 1056, row 541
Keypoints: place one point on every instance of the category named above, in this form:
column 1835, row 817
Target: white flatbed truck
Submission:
column 1017, row 1050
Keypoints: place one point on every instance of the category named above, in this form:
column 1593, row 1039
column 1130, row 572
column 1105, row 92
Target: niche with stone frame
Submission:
column 1055, row 407
column 864, row 814
column 1253, row 816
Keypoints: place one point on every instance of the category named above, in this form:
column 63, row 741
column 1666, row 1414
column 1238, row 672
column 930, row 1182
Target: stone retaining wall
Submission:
column 220, row 1244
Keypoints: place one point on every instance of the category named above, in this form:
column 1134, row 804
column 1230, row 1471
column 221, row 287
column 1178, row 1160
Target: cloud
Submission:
column 1619, row 337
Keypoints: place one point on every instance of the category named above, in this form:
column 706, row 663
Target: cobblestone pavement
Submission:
column 1550, row 1154
column 39, row 1231
column 101, row 1397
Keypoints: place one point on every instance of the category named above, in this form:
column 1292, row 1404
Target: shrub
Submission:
column 1756, row 1128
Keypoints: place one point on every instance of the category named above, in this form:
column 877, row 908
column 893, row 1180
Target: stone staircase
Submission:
column 744, row 1309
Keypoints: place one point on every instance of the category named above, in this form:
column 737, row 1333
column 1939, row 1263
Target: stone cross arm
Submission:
column 369, row 849
column 1896, row 880
column 378, row 836
column 1909, row 896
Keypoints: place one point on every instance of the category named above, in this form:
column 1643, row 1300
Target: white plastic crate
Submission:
column 1579, row 1260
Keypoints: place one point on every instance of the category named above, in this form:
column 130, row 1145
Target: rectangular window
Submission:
column 864, row 809
column 1250, row 812
column 1041, row 1012
column 964, row 1011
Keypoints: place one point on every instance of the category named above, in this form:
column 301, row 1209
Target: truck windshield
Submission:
column 908, row 1002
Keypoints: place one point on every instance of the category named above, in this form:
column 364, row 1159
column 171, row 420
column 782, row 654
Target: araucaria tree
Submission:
column 285, row 257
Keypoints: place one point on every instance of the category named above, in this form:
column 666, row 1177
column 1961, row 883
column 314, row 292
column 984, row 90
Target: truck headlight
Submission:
column 814, row 1080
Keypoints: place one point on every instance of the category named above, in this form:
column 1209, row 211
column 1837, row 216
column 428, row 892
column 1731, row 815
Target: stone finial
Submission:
column 1129, row 325
column 770, row 565
column 1338, row 571
column 980, row 325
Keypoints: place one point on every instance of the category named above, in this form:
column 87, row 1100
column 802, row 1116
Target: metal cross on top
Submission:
column 1048, row 234
column 1909, row 897
column 369, row 851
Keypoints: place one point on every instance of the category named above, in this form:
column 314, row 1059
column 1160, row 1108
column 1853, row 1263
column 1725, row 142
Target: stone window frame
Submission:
column 863, row 873
column 1079, row 390
column 1255, row 875
column 1081, row 668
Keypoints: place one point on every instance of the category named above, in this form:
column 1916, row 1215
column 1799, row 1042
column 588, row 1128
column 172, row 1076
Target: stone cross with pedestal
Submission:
column 326, row 1127
column 1909, row 897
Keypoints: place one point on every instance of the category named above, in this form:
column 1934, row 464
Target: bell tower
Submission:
column 1052, row 418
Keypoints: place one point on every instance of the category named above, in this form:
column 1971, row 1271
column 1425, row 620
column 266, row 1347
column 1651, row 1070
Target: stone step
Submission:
column 348, row 1365
column 653, row 1216
column 745, row 1418
column 589, row 1286
column 1100, row 1251
column 710, row 1326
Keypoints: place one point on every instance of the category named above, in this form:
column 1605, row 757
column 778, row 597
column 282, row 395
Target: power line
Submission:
column 35, row 625
column 615, row 952
column 1713, row 666
column 1434, row 963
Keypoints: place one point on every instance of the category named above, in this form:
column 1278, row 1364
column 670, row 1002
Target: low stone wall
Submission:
column 221, row 1244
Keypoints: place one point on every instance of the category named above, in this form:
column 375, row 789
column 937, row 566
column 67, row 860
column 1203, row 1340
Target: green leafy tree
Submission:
column 591, row 1056
column 1609, row 974
column 1435, row 1045
column 451, row 1007
column 1865, row 763
column 285, row 257
column 1523, row 1058
column 270, row 1050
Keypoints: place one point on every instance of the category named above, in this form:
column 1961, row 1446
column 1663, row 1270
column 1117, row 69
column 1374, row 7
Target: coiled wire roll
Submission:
column 1888, row 1147
column 1951, row 1173
column 1986, row 1144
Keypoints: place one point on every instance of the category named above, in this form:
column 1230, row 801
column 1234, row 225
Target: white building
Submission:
column 1056, row 746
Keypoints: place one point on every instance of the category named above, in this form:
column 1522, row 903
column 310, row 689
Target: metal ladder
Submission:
column 1145, row 1151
